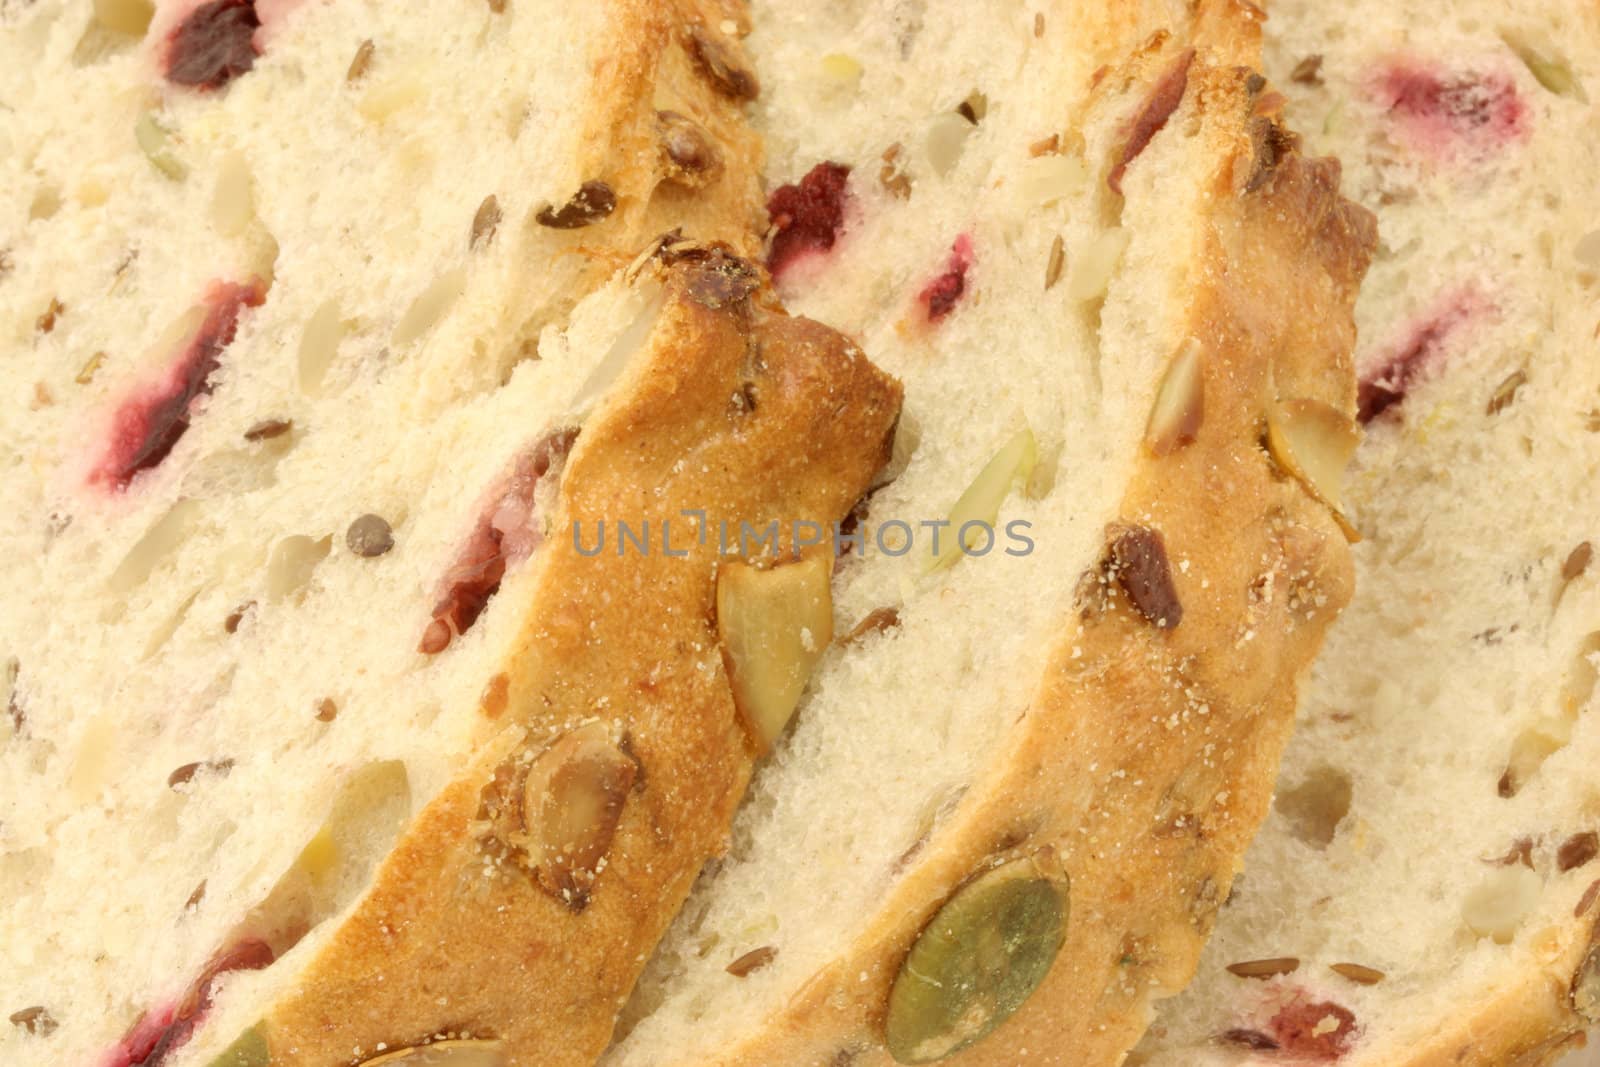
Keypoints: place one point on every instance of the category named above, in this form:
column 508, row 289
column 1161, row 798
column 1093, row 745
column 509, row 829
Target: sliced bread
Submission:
column 323, row 739
column 1424, row 891
column 1119, row 299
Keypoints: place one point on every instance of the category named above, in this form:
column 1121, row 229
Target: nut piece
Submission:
column 1180, row 405
column 983, row 954
column 1139, row 562
column 249, row 1049
column 773, row 624
column 369, row 536
column 593, row 201
column 1094, row 265
column 444, row 1054
column 979, row 506
column 292, row 562
column 152, row 139
column 1548, row 67
column 1313, row 442
column 1497, row 906
column 1268, row 968
column 1585, row 986
column 572, row 800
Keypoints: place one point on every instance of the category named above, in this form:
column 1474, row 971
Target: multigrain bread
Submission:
column 1020, row 787
column 1424, row 891
column 323, row 739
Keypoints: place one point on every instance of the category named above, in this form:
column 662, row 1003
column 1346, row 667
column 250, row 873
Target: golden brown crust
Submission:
column 457, row 937
column 1148, row 755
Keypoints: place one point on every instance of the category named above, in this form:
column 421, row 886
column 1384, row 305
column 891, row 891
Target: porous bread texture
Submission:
column 913, row 757
column 212, row 611
column 1470, row 642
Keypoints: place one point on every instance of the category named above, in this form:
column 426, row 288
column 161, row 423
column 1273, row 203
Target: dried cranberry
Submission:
column 159, row 1033
column 148, row 424
column 1385, row 385
column 214, row 45
column 940, row 295
column 1314, row 1029
column 1444, row 112
column 807, row 216
column 506, row 531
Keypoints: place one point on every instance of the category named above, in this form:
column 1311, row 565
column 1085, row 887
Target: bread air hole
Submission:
column 1316, row 806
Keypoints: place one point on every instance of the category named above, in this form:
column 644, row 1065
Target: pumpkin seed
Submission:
column 980, row 958
column 248, row 1050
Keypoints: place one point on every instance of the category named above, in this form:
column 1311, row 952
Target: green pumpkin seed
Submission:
column 248, row 1050
column 463, row 1053
column 1548, row 67
column 983, row 954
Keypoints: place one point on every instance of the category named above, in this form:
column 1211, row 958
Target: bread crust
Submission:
column 456, row 938
column 1147, row 756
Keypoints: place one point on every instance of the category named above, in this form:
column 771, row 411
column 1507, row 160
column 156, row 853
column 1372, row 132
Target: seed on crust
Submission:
column 571, row 804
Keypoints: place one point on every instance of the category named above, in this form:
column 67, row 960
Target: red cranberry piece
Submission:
column 1314, row 1029
column 940, row 295
column 214, row 45
column 807, row 216
column 159, row 1033
column 1385, row 385
column 1442, row 112
column 149, row 423
column 507, row 531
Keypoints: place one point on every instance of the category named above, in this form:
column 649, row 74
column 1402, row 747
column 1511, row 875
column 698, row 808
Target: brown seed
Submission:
column 1054, row 264
column 690, row 157
column 435, row 639
column 1038, row 23
column 1577, row 562
column 47, row 321
column 35, row 1020
column 1358, row 973
column 753, row 960
column 1268, row 968
column 723, row 63
column 327, row 710
column 1577, row 850
column 497, row 6
column 1049, row 146
column 1254, row 84
column 196, row 897
column 1521, row 851
column 1139, row 561
column 184, row 774
column 877, row 621
column 236, row 616
column 86, row 374
column 1586, row 901
column 485, row 222
column 369, row 536
column 1250, row 1039
column 593, row 201
column 891, row 177
column 267, row 429
column 1506, row 392
column 360, row 64
column 1308, row 71
column 974, row 107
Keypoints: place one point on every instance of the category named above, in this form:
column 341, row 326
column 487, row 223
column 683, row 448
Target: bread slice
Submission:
column 1082, row 229
column 1427, row 881
column 298, row 637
